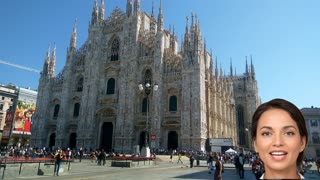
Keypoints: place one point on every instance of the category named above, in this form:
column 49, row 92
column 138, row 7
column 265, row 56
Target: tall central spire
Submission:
column 46, row 63
column 160, row 18
column 73, row 40
column 129, row 8
column 101, row 12
column 137, row 7
column 94, row 17
column 52, row 66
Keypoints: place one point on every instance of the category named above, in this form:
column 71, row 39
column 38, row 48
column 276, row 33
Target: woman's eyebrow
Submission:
column 289, row 126
column 285, row 127
column 267, row 127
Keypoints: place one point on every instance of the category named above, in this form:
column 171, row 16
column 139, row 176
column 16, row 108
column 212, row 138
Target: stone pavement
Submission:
column 161, row 169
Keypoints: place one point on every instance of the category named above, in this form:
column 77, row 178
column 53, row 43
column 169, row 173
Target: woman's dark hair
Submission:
column 287, row 106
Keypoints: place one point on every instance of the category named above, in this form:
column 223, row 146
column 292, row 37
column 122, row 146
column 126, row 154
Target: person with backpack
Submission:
column 57, row 161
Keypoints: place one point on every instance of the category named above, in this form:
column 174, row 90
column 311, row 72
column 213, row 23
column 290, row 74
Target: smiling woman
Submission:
column 279, row 136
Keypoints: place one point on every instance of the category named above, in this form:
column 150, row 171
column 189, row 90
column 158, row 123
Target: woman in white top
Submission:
column 279, row 135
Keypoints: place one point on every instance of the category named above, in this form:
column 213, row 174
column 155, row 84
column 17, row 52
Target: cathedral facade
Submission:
column 95, row 102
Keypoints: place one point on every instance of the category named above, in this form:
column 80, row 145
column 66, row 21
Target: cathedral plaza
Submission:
column 159, row 169
column 131, row 86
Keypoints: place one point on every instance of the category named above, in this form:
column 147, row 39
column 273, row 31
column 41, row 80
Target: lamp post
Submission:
column 248, row 139
column 146, row 88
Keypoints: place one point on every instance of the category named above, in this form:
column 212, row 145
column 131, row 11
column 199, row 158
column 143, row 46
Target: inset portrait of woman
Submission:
column 279, row 136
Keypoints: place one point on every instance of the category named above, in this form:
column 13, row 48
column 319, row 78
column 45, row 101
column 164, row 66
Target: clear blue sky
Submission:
column 283, row 36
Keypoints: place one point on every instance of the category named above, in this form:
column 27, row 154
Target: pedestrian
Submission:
column 67, row 154
column 237, row 163
column 102, row 157
column 80, row 154
column 179, row 158
column 218, row 170
column 57, row 161
column 240, row 166
column 191, row 159
column 171, row 156
column 209, row 163
column 279, row 135
column 318, row 165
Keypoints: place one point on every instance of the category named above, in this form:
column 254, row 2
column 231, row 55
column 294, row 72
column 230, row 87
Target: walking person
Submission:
column 241, row 163
column 218, row 166
column 179, row 158
column 209, row 162
column 80, row 154
column 191, row 158
column 171, row 156
column 57, row 161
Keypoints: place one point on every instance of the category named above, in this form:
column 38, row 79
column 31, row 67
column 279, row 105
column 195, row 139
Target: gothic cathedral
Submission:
column 95, row 101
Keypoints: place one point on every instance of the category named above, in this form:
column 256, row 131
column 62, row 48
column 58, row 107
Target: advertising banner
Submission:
column 23, row 116
column 9, row 117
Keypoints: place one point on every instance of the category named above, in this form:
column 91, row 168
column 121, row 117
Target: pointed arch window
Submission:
column 56, row 111
column 80, row 84
column 115, row 49
column 240, row 122
column 173, row 104
column 76, row 110
column 111, row 86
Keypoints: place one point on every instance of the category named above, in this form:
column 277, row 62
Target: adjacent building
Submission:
column 8, row 97
column 18, row 105
column 312, row 118
column 95, row 102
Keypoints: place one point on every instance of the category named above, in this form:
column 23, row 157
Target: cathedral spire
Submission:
column 187, row 25
column 252, row 68
column 185, row 46
column 101, row 12
column 137, row 7
column 52, row 65
column 221, row 72
column 46, row 63
column 231, row 69
column 211, row 63
column 152, row 10
column 247, row 69
column 192, row 20
column 129, row 8
column 216, row 70
column 73, row 40
column 94, row 17
column 160, row 18
column 205, row 46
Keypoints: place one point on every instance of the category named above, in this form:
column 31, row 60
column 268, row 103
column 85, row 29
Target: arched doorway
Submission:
column 106, row 136
column 142, row 139
column 52, row 140
column 72, row 140
column 172, row 140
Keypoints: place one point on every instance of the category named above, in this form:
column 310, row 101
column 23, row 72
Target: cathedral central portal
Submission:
column 106, row 136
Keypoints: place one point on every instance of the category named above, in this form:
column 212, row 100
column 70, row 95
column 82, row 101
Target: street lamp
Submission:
column 147, row 87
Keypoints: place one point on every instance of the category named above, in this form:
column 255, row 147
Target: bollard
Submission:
column 69, row 166
column 4, row 168
column 20, row 168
